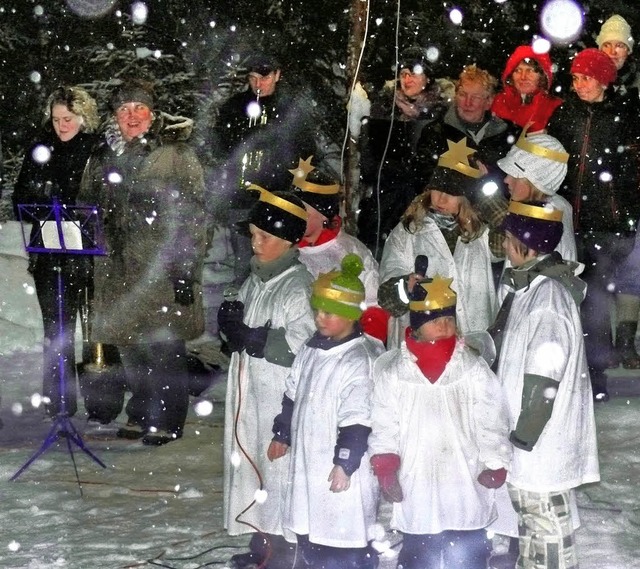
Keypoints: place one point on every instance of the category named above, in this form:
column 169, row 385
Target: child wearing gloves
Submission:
column 543, row 369
column 264, row 328
column 439, row 436
column 331, row 499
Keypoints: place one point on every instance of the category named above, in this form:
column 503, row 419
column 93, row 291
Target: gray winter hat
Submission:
column 539, row 158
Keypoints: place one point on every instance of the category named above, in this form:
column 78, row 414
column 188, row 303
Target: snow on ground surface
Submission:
column 162, row 507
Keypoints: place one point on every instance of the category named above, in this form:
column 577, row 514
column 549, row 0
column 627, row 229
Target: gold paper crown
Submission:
column 322, row 287
column 439, row 295
column 543, row 212
column 457, row 158
column 267, row 197
column 300, row 179
column 538, row 150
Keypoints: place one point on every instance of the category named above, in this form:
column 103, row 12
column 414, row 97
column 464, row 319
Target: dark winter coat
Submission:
column 261, row 153
column 151, row 194
column 602, row 182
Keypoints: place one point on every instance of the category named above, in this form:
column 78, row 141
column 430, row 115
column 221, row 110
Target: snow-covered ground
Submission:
column 162, row 506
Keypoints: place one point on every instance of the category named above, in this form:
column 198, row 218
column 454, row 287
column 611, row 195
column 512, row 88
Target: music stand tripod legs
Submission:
column 62, row 427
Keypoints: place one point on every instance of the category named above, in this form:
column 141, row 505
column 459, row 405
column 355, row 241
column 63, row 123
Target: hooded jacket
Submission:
column 509, row 104
column 151, row 195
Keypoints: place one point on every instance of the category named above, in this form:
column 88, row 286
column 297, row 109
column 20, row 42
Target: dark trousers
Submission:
column 316, row 556
column 467, row 549
column 159, row 381
column 59, row 325
column 275, row 550
column 601, row 254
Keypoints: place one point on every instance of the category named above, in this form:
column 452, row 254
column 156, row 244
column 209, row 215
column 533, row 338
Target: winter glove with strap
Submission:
column 282, row 423
column 385, row 467
column 350, row 447
column 538, row 396
column 230, row 324
column 183, row 291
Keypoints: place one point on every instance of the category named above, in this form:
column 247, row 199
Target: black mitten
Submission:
column 183, row 291
column 256, row 340
column 232, row 329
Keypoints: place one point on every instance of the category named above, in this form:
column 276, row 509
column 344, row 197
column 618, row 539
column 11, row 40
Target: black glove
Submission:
column 183, row 291
column 232, row 329
column 256, row 339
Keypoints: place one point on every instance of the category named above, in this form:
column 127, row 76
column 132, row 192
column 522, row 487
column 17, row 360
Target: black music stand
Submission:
column 69, row 230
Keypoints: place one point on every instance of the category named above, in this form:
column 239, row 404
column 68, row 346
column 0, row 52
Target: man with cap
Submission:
column 441, row 484
column 442, row 225
column 149, row 187
column 332, row 498
column 265, row 328
column 390, row 167
column 325, row 242
column 259, row 134
column 542, row 365
column 598, row 127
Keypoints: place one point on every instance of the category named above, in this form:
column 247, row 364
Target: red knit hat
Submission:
column 595, row 63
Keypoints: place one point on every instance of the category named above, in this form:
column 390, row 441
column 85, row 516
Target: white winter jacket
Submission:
column 469, row 266
column 445, row 433
column 254, row 393
column 330, row 389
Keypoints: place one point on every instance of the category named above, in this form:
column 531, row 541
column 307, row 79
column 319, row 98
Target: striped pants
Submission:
column 545, row 527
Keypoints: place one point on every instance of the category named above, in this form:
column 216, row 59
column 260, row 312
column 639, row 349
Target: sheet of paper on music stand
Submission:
column 71, row 234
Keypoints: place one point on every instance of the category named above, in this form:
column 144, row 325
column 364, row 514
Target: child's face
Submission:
column 437, row 329
column 445, row 203
column 333, row 326
column 520, row 189
column 513, row 248
column 267, row 247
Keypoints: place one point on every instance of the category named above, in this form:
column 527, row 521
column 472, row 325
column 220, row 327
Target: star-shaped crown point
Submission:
column 458, row 153
column 303, row 169
column 439, row 291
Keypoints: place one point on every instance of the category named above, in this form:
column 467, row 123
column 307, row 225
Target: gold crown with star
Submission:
column 457, row 158
column 440, row 295
column 538, row 150
column 300, row 179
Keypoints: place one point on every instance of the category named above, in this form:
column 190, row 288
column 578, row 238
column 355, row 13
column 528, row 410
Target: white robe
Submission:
column 254, row 392
column 445, row 433
column 331, row 389
column 543, row 336
column 327, row 257
column 469, row 266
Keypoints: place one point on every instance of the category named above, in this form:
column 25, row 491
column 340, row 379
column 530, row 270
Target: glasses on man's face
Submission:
column 474, row 98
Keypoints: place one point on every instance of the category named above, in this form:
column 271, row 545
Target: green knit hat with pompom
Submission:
column 341, row 292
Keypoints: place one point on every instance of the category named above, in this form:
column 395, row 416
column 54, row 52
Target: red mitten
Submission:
column 385, row 467
column 492, row 478
column 374, row 321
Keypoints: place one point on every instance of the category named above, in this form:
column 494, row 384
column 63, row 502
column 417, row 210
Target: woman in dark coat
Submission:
column 597, row 128
column 53, row 168
column 149, row 186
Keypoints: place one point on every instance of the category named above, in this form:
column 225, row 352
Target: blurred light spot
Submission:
column 41, row 154
column 433, row 54
column 261, row 496
column 605, row 177
column 254, row 110
column 14, row 546
column 38, row 10
column 91, row 8
column 541, row 45
column 489, row 188
column 203, row 408
column 35, row 77
column 378, row 21
column 212, row 24
column 16, row 409
column 114, row 177
column 139, row 12
column 333, row 27
column 235, row 459
column 561, row 20
column 455, row 16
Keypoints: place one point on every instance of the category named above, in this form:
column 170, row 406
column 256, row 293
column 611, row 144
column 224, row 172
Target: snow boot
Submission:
column 626, row 344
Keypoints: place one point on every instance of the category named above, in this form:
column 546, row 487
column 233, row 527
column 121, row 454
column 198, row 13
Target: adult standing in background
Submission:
column 148, row 292
column 615, row 40
column 259, row 135
column 525, row 98
column 596, row 127
column 390, row 168
column 52, row 169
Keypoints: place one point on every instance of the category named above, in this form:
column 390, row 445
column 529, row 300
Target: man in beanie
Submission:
column 542, row 366
column 526, row 98
column 258, row 135
column 535, row 167
column 442, row 224
column 325, row 243
column 441, row 484
column 265, row 327
column 598, row 128
column 331, row 501
column 147, row 301
column 390, row 166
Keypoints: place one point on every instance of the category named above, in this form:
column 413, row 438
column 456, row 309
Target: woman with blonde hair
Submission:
column 52, row 169
column 442, row 225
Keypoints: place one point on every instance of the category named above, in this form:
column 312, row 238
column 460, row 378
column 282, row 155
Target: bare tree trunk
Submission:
column 350, row 173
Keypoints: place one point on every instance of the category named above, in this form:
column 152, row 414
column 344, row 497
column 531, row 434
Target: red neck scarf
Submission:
column 326, row 235
column 433, row 357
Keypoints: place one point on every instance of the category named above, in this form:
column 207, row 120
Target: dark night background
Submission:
column 203, row 44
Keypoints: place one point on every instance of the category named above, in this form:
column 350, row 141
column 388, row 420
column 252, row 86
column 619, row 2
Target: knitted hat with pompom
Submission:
column 341, row 292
